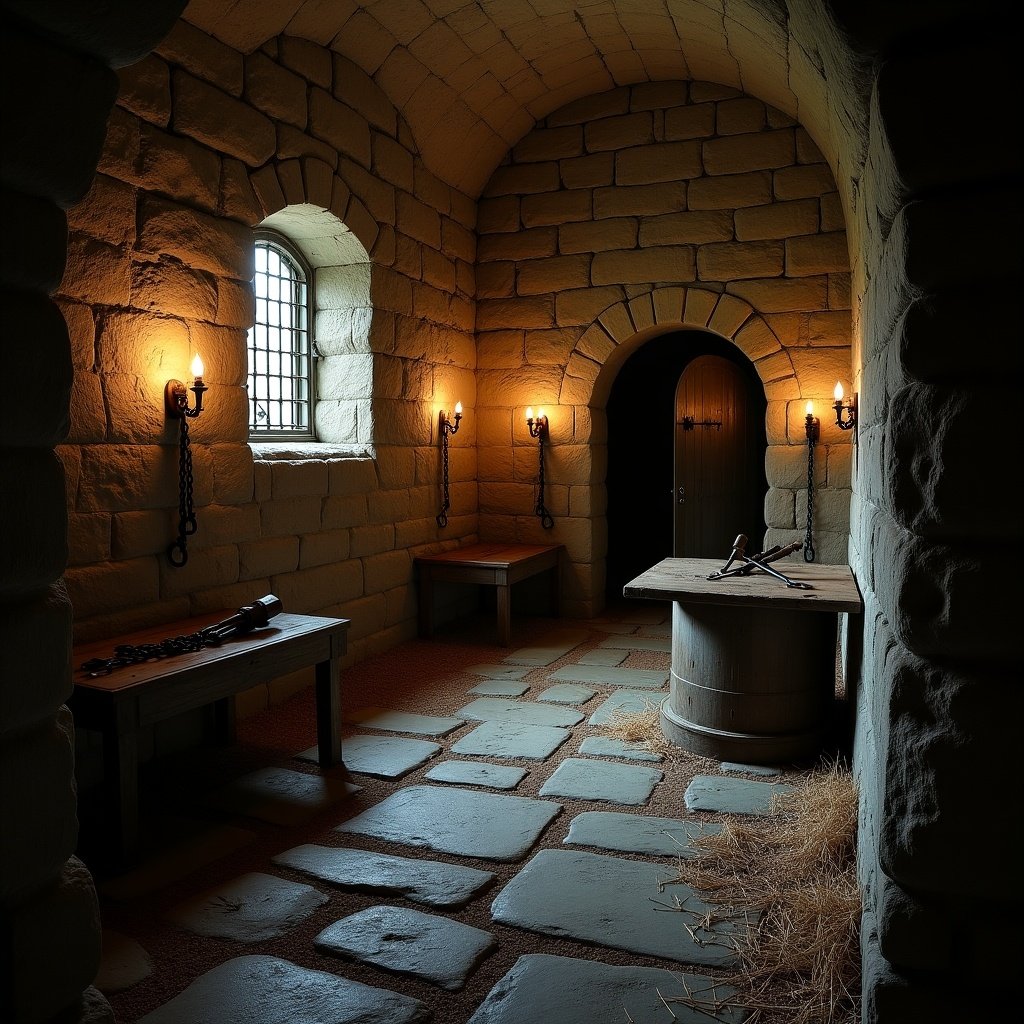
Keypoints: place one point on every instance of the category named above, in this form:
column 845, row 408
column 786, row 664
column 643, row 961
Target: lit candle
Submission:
column 458, row 408
column 197, row 369
column 540, row 414
column 838, row 393
column 810, row 408
column 529, row 413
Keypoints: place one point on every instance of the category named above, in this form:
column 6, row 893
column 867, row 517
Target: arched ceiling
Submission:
column 472, row 77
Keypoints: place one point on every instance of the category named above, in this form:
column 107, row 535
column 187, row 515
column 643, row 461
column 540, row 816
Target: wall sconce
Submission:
column 812, row 428
column 846, row 412
column 539, row 429
column 445, row 427
column 177, row 407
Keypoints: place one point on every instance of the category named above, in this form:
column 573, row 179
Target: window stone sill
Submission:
column 313, row 451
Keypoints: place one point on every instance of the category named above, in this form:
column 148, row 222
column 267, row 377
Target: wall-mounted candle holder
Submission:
column 812, row 427
column 445, row 427
column 177, row 407
column 846, row 411
column 538, row 428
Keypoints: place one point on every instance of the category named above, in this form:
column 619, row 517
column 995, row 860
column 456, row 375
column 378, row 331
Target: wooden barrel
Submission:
column 750, row 684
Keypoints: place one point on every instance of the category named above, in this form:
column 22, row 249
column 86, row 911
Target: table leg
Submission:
column 426, row 608
column 121, row 762
column 504, row 614
column 328, row 711
column 224, row 725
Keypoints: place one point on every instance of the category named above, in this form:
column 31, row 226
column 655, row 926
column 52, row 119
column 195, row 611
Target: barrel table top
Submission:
column 686, row 580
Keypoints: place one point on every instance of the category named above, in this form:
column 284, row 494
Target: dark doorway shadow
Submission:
column 641, row 438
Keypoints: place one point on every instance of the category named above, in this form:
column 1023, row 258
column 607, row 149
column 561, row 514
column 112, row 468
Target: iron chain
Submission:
column 541, row 510
column 808, row 542
column 442, row 516
column 187, row 525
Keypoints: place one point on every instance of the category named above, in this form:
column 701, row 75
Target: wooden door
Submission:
column 718, row 491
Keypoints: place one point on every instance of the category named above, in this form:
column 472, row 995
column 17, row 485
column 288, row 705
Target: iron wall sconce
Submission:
column 812, row 427
column 539, row 429
column 445, row 427
column 176, row 404
column 846, row 412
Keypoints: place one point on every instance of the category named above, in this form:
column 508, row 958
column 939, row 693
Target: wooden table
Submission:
column 133, row 696
column 493, row 565
column 753, row 661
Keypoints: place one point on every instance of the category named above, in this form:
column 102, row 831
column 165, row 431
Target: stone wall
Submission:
column 629, row 214
column 204, row 144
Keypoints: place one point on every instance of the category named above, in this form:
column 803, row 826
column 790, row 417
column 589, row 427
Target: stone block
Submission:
column 817, row 254
column 288, row 516
column 501, row 314
column 344, row 511
column 418, row 220
column 306, row 58
column 323, row 548
column 145, row 532
column 549, row 144
column 96, row 273
column 96, row 589
column 295, row 479
column 268, row 557
column 690, row 228
column 741, row 115
column 220, row 246
column 665, row 161
column 171, row 288
column 523, row 245
column 204, row 56
column 732, row 261
column 386, row 570
column 107, row 212
column 598, row 236
column 781, row 295
column 310, row 591
column 778, row 220
column 176, row 166
column 640, row 200
column 237, row 198
column 554, row 274
column 144, row 88
column 803, row 181
column 354, row 86
column 523, row 179
column 645, row 266
column 372, row 539
column 588, row 171
column 232, row 473
column 556, row 207
column 738, row 154
column 275, row 91
column 614, row 133
column 694, row 121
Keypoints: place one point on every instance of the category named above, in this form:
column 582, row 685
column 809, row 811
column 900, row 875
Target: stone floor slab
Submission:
column 749, row 769
column 548, row 649
column 566, row 693
column 468, row 824
column 656, row 629
column 612, row 675
column 500, row 671
column 612, row 902
column 732, row 795
column 524, row 712
column 626, row 702
column 477, row 773
column 250, row 908
column 649, row 616
column 500, row 688
column 580, row 778
column 637, row 833
column 638, row 643
column 388, row 720
column 274, row 991
column 281, row 796
column 608, row 746
column 513, row 740
column 124, row 963
column 541, row 987
column 385, row 757
column 431, row 882
column 608, row 626
column 407, row 941
column 602, row 656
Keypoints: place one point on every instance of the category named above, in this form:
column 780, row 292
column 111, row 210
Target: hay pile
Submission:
column 799, row 961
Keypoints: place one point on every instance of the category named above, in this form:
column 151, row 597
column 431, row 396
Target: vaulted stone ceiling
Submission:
column 473, row 76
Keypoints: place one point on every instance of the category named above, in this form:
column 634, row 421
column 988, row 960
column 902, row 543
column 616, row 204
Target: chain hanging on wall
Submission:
column 446, row 427
column 539, row 429
column 177, row 552
column 811, row 426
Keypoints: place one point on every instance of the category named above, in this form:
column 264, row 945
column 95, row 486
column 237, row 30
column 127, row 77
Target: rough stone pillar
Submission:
column 58, row 88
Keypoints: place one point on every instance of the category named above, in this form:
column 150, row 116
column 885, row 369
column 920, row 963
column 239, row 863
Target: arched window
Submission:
column 281, row 393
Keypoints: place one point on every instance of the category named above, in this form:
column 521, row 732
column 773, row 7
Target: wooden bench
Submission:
column 119, row 704
column 492, row 565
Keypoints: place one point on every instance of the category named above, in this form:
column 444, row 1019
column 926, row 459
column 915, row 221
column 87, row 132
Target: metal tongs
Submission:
column 759, row 561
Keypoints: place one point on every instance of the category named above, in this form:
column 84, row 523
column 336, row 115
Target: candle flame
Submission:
column 529, row 412
column 197, row 366
column 810, row 408
column 838, row 393
column 540, row 414
column 458, row 408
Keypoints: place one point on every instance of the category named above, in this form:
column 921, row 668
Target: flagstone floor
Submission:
column 489, row 854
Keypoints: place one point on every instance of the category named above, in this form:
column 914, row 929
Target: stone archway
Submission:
column 624, row 326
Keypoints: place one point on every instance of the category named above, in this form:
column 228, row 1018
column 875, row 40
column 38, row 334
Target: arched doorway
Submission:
column 642, row 434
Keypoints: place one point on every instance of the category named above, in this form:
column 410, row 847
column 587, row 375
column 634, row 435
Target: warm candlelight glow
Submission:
column 529, row 412
column 540, row 414
column 810, row 408
column 197, row 367
column 458, row 408
column 838, row 393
